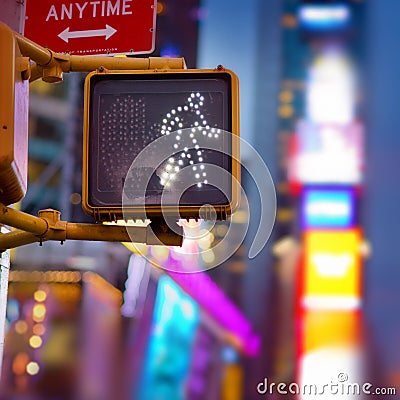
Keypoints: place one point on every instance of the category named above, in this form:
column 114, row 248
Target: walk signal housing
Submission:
column 14, row 100
column 126, row 111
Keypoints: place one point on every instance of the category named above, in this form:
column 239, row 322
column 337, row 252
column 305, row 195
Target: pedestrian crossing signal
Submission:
column 14, row 100
column 161, row 143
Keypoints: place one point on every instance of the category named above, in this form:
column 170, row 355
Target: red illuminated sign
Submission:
column 92, row 27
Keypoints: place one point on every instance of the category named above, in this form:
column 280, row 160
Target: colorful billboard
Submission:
column 332, row 276
column 327, row 208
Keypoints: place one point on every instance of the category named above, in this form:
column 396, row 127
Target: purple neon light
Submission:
column 211, row 298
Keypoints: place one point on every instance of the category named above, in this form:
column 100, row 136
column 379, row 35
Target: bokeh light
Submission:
column 32, row 368
column 35, row 341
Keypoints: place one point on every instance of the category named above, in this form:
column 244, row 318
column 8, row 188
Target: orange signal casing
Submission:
column 116, row 212
column 14, row 95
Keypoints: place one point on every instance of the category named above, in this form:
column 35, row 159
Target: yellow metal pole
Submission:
column 87, row 64
column 120, row 233
column 50, row 65
column 30, row 49
column 114, row 233
column 91, row 232
column 48, row 226
column 20, row 220
column 17, row 238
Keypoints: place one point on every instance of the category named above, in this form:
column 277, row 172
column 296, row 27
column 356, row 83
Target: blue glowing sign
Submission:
column 324, row 17
column 328, row 208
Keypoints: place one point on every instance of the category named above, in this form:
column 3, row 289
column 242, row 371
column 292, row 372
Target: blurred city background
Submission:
column 319, row 84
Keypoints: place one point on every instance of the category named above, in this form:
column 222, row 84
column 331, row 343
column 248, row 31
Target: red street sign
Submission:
column 92, row 27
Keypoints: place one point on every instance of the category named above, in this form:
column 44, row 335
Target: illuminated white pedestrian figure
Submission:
column 174, row 122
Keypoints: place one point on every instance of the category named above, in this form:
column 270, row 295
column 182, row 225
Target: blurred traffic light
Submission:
column 14, row 98
column 177, row 124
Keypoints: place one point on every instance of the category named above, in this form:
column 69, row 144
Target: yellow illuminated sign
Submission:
column 332, row 264
column 332, row 328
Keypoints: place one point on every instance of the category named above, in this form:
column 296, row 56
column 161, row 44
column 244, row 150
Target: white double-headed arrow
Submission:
column 107, row 32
